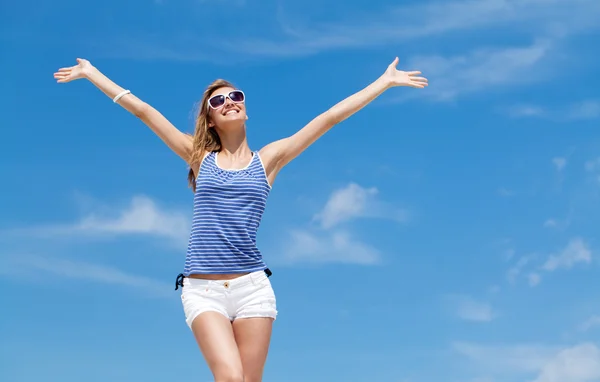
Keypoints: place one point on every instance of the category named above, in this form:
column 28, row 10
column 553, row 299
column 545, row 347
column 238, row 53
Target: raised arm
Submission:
column 280, row 153
column 179, row 142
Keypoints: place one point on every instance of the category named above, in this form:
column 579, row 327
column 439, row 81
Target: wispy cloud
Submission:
column 536, row 363
column 336, row 246
column 576, row 251
column 85, row 272
column 590, row 323
column 396, row 24
column 354, row 202
column 469, row 309
column 515, row 271
column 505, row 192
column 482, row 68
column 579, row 363
column 534, row 279
column 576, row 111
column 593, row 168
column 560, row 163
column 421, row 20
column 142, row 216
column 332, row 241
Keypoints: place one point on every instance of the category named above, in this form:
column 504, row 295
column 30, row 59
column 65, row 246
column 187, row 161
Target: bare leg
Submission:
column 216, row 340
column 253, row 336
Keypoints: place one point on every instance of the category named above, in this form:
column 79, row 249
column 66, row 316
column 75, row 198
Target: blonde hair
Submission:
column 205, row 139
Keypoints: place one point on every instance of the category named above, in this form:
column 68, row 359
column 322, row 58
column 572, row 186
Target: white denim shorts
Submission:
column 247, row 296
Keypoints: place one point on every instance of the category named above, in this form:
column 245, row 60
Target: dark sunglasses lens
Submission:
column 236, row 96
column 217, row 101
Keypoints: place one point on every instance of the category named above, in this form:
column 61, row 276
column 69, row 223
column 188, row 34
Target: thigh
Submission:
column 215, row 337
column 253, row 336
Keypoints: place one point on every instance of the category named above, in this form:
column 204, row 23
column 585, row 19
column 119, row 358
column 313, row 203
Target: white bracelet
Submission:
column 118, row 96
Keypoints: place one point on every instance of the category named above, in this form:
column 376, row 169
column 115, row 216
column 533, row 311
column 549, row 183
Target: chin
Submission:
column 233, row 123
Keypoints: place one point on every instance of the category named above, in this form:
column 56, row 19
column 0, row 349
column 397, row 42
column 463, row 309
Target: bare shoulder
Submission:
column 272, row 153
column 271, row 156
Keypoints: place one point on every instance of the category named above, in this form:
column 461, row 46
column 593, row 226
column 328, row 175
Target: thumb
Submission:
column 395, row 62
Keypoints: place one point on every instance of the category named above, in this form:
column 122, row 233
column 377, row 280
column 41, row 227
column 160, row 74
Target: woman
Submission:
column 228, row 300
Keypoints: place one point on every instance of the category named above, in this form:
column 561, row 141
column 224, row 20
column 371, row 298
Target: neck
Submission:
column 234, row 143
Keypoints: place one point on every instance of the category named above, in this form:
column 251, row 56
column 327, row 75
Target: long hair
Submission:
column 205, row 139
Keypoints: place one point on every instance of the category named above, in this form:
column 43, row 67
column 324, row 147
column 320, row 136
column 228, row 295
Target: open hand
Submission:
column 395, row 77
column 74, row 72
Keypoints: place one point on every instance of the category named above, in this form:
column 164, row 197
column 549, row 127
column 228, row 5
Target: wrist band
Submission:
column 118, row 96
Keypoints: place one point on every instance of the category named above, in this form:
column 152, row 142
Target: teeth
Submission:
column 230, row 112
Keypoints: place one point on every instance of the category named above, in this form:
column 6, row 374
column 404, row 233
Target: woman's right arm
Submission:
column 179, row 142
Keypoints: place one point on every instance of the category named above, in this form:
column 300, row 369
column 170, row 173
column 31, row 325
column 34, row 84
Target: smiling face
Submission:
column 227, row 108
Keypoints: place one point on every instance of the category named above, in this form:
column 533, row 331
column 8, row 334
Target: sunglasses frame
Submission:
column 228, row 95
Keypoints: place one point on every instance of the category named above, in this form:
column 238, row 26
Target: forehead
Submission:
column 224, row 90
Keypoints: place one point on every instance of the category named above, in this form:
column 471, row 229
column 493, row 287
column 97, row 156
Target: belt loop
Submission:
column 179, row 281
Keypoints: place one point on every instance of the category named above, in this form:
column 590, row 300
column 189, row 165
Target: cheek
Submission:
column 213, row 115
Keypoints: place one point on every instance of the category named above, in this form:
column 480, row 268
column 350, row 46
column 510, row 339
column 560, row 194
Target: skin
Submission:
column 237, row 352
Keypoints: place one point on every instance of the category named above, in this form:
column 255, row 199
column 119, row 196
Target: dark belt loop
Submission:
column 179, row 281
column 268, row 272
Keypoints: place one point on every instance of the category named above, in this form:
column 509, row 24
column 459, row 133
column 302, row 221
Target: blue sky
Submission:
column 444, row 234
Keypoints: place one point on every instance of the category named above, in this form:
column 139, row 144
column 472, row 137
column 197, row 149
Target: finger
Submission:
column 413, row 73
column 65, row 69
column 419, row 79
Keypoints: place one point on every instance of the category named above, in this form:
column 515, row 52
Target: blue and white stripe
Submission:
column 228, row 208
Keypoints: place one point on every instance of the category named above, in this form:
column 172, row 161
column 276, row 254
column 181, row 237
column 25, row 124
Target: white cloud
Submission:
column 142, row 216
column 535, row 363
column 534, row 279
column 506, row 359
column 593, row 165
column 518, row 111
column 579, row 363
column 593, row 168
column 514, row 272
column 328, row 247
column 421, row 20
column 328, row 243
column 575, row 252
column 590, row 323
column 85, row 272
column 354, row 202
column 481, row 69
column 505, row 192
column 559, row 163
column 576, row 111
column 468, row 309
column 589, row 109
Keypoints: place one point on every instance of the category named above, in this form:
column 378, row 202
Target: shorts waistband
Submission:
column 238, row 282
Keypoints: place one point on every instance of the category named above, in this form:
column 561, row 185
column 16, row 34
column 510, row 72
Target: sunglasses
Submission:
column 236, row 96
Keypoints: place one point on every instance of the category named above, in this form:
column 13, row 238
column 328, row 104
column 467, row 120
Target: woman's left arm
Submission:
column 282, row 152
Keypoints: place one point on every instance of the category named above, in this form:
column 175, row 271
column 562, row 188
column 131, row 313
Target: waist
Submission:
column 216, row 276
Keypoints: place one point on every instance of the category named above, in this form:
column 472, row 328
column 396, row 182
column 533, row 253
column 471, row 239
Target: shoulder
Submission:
column 272, row 152
column 196, row 167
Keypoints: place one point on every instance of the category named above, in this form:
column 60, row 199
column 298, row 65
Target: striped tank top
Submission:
column 228, row 208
